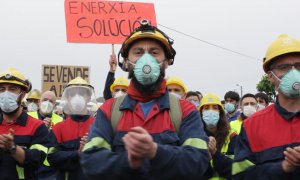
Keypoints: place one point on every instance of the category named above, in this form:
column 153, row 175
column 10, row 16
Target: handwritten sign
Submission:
column 56, row 77
column 95, row 21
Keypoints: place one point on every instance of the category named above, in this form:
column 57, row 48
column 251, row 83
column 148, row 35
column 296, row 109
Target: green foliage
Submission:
column 267, row 87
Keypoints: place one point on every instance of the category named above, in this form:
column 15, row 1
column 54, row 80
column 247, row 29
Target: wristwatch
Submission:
column 13, row 149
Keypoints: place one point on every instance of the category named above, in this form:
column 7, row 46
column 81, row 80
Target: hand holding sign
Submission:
column 113, row 59
column 112, row 63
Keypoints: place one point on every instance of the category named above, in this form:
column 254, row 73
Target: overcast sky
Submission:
column 33, row 33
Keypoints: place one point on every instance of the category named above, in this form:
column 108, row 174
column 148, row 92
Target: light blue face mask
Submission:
column 290, row 83
column 8, row 102
column 196, row 103
column 229, row 107
column 211, row 118
column 146, row 69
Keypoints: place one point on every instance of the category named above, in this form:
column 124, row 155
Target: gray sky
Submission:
column 33, row 33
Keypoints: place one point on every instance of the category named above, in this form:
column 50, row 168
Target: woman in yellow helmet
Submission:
column 221, row 138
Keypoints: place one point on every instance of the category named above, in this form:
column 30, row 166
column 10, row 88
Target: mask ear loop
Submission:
column 276, row 76
column 276, row 88
column 133, row 64
column 19, row 100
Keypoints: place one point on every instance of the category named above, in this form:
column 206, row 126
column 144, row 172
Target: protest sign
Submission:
column 56, row 77
column 107, row 22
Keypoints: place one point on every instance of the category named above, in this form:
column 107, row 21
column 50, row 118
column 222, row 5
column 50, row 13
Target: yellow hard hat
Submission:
column 34, row 94
column 177, row 81
column 79, row 82
column 120, row 81
column 284, row 44
column 147, row 31
column 14, row 76
column 210, row 98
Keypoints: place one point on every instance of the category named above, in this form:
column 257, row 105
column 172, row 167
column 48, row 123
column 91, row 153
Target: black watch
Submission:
column 13, row 149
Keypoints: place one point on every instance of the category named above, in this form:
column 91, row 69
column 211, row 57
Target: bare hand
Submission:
column 83, row 141
column 292, row 159
column 134, row 162
column 212, row 146
column 139, row 145
column 7, row 140
column 47, row 122
column 112, row 63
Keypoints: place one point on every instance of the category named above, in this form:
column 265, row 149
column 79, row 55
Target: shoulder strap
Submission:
column 116, row 114
column 175, row 112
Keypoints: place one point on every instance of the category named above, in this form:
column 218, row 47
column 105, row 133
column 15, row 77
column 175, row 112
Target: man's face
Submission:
column 249, row 101
column 35, row 101
column 280, row 68
column 147, row 45
column 77, row 99
column 193, row 98
column 79, row 92
column 176, row 89
column 48, row 97
column 13, row 88
column 261, row 101
column 229, row 100
column 137, row 50
column 118, row 89
column 10, row 88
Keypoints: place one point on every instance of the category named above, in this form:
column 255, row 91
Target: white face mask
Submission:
column 46, row 107
column 78, row 103
column 32, row 107
column 176, row 95
column 118, row 94
column 260, row 107
column 8, row 102
column 249, row 110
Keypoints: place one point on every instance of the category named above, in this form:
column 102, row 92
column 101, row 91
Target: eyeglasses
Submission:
column 287, row 67
column 123, row 90
column 173, row 90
